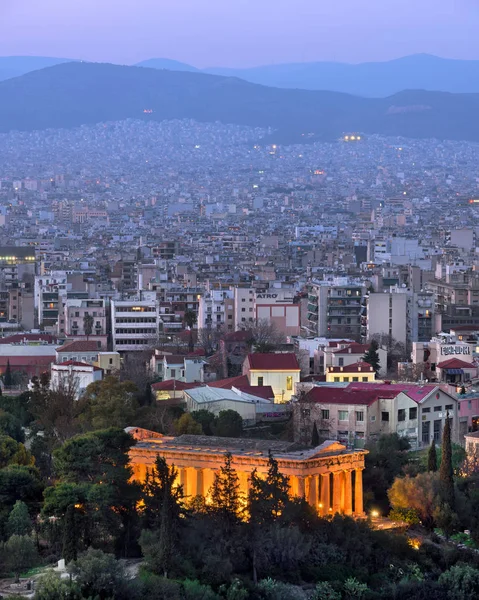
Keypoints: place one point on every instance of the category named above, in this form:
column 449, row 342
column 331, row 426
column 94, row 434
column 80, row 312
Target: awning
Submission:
column 454, row 371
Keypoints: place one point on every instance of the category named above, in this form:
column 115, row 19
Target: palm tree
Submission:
column 189, row 319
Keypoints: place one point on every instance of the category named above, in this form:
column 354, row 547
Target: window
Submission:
column 173, row 373
column 373, row 418
column 77, row 314
column 243, row 310
column 385, row 416
column 343, row 415
column 336, row 380
column 341, row 362
column 402, row 414
column 448, row 407
column 437, row 408
column 355, row 378
column 325, row 414
column 289, row 383
column 364, row 379
column 111, row 361
column 426, row 410
column 260, row 381
column 359, row 416
column 412, row 413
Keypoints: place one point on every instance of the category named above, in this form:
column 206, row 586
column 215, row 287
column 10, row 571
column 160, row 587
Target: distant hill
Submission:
column 14, row 66
column 73, row 94
column 166, row 63
column 374, row 79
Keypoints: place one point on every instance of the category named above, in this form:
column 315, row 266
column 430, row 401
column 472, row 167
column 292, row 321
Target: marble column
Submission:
column 358, row 493
column 182, row 478
column 300, row 486
column 325, row 494
column 347, row 507
column 199, row 482
column 313, row 491
column 337, row 492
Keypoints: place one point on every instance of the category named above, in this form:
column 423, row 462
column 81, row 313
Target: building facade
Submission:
column 328, row 477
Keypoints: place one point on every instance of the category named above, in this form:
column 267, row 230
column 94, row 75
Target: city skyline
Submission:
column 239, row 35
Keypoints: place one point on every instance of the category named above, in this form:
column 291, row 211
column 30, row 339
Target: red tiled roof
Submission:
column 171, row 385
column 336, row 395
column 79, row 346
column 455, row 363
column 227, row 384
column 273, row 362
column 262, row 391
column 26, row 361
column 359, row 367
column 416, row 392
column 76, row 363
column 353, row 349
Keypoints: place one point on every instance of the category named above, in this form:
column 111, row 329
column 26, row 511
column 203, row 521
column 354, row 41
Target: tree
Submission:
column 187, row 425
column 87, row 324
column 354, row 589
column 13, row 453
column 110, row 403
column 18, row 482
column 372, row 356
column 228, row 424
column 98, row 574
column 315, row 436
column 206, row 419
column 162, row 513
column 432, row 457
column 419, row 493
column 20, row 553
column 325, row 591
column 461, row 582
column 8, row 376
column 11, row 426
column 225, row 495
column 19, row 522
column 446, row 470
column 268, row 497
column 51, row 586
column 70, row 535
column 190, row 318
column 265, row 336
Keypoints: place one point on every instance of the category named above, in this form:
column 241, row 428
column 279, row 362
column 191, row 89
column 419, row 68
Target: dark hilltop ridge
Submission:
column 76, row 93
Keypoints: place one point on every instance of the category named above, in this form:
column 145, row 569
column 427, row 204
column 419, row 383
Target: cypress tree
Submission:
column 70, row 535
column 372, row 356
column 315, row 436
column 432, row 457
column 225, row 494
column 8, row 377
column 446, row 471
column 268, row 497
column 19, row 522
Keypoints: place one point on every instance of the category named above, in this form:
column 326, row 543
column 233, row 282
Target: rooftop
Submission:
column 273, row 362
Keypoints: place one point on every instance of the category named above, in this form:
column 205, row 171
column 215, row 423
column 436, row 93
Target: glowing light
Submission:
column 415, row 543
column 353, row 137
column 359, row 137
column 346, row 137
column 374, row 514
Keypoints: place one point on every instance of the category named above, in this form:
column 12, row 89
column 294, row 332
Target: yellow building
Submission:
column 108, row 361
column 361, row 371
column 329, row 477
column 280, row 371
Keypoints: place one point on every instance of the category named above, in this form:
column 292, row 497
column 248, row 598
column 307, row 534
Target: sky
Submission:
column 239, row 33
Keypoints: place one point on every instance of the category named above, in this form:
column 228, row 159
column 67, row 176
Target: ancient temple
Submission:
column 329, row 476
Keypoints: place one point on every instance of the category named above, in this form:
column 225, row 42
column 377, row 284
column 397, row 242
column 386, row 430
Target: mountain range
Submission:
column 373, row 79
column 76, row 93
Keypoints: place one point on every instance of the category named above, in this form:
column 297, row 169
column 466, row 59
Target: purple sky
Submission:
column 239, row 32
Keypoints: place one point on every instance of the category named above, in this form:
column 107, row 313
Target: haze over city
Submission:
column 239, row 33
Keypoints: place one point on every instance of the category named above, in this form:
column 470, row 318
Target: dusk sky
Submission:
column 239, row 33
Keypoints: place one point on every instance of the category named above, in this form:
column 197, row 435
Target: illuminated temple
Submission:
column 329, row 476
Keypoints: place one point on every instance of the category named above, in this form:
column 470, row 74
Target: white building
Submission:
column 135, row 324
column 216, row 310
column 76, row 374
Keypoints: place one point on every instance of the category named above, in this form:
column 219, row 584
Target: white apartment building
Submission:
column 135, row 324
column 216, row 310
column 387, row 314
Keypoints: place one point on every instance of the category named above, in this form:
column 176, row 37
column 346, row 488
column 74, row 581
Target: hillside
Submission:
column 15, row 66
column 72, row 94
column 374, row 79
column 166, row 63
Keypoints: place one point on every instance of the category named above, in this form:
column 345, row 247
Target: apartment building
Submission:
column 134, row 324
column 216, row 310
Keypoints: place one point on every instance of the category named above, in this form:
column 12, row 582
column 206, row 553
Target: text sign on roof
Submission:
column 448, row 350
